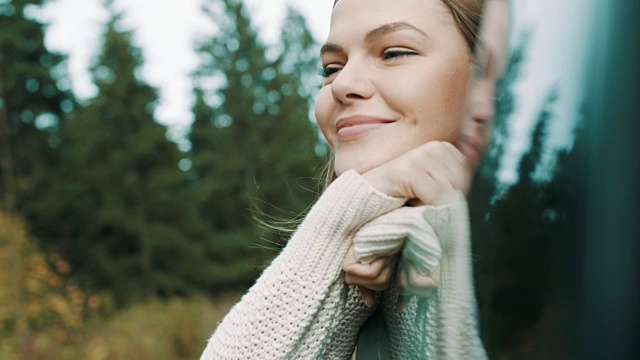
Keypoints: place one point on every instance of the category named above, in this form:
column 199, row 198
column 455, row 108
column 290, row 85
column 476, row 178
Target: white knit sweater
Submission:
column 300, row 308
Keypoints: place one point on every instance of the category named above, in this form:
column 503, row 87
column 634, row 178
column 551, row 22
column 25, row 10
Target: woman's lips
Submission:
column 349, row 128
column 471, row 148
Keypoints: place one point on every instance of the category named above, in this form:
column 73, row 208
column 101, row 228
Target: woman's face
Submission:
column 397, row 77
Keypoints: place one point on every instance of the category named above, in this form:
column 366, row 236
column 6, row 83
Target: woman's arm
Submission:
column 289, row 312
column 459, row 336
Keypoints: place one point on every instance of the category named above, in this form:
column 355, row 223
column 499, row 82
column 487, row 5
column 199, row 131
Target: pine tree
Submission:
column 30, row 114
column 485, row 189
column 521, row 229
column 31, row 103
column 121, row 210
column 253, row 146
column 506, row 103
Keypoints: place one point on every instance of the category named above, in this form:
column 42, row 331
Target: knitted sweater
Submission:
column 300, row 307
column 444, row 324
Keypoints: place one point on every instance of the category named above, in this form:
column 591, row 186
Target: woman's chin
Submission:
column 360, row 167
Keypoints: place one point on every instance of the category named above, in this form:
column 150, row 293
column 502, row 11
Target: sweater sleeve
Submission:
column 288, row 312
column 458, row 337
column 386, row 235
column 443, row 325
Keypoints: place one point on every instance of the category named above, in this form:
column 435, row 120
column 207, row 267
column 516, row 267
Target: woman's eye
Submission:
column 392, row 54
column 328, row 71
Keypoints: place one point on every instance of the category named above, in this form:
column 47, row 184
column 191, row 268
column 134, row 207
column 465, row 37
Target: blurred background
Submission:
column 143, row 142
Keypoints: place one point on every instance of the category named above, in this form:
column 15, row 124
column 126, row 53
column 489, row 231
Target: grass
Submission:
column 162, row 330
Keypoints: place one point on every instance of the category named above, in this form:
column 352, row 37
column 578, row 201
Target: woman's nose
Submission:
column 483, row 103
column 352, row 83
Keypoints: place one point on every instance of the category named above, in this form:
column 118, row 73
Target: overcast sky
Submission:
column 165, row 29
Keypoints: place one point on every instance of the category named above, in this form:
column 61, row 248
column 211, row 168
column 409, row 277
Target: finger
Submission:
column 435, row 174
column 402, row 301
column 349, row 258
column 460, row 166
column 402, row 286
column 371, row 270
column 455, row 152
column 368, row 283
column 412, row 283
column 425, row 189
column 368, row 296
column 436, row 164
column 418, row 280
column 379, row 283
column 419, row 284
column 451, row 165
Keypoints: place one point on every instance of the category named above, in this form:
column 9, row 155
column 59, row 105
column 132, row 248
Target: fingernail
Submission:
column 400, row 305
column 368, row 302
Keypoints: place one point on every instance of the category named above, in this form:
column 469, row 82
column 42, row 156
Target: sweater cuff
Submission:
column 425, row 229
column 443, row 217
column 352, row 199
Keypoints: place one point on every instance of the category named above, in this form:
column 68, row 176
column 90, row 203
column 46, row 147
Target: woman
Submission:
column 397, row 74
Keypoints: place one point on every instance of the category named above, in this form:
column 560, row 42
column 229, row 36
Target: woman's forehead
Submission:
column 361, row 16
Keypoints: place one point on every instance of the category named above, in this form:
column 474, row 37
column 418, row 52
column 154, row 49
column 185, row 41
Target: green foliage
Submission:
column 538, row 228
column 100, row 183
column 506, row 103
column 120, row 209
column 31, row 103
column 253, row 146
column 522, row 230
column 523, row 235
column 484, row 191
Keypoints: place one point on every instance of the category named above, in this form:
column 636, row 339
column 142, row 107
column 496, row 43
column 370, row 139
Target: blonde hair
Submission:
column 467, row 15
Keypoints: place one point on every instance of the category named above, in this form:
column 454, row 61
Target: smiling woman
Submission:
column 403, row 70
column 391, row 109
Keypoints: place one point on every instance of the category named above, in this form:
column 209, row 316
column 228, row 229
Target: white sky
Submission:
column 557, row 56
column 165, row 29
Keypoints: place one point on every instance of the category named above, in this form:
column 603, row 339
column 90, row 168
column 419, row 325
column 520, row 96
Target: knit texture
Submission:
column 444, row 325
column 386, row 235
column 292, row 309
column 300, row 308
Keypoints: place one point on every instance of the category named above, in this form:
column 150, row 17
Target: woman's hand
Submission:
column 376, row 275
column 370, row 277
column 425, row 175
column 412, row 283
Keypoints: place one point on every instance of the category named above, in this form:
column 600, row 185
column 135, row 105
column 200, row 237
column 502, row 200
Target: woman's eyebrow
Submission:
column 329, row 47
column 374, row 35
column 389, row 28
